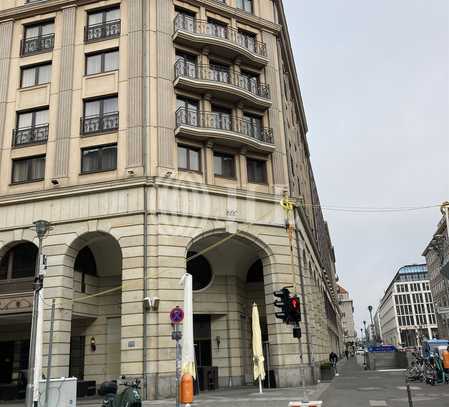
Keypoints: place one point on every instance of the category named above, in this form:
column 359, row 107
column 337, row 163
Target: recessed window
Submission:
column 103, row 24
column 96, row 159
column 252, row 125
column 221, row 118
column 102, row 62
column 246, row 5
column 247, row 40
column 19, row 262
column 256, row 170
column 100, row 116
column 189, row 158
column 38, row 38
column 31, row 128
column 216, row 28
column 35, row 75
column 224, row 165
column 200, row 270
column 28, row 169
column 186, row 112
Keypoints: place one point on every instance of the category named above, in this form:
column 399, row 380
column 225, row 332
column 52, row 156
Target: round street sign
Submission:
column 176, row 315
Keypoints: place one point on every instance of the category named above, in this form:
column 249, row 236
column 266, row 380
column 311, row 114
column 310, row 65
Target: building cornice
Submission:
column 137, row 182
column 47, row 6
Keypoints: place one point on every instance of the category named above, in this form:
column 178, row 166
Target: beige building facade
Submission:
column 157, row 136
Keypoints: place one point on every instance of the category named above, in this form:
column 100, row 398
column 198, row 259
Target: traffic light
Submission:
column 283, row 303
column 294, row 309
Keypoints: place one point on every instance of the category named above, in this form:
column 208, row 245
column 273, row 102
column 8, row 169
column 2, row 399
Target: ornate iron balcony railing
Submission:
column 217, row 74
column 98, row 32
column 222, row 121
column 35, row 45
column 99, row 123
column 30, row 135
column 187, row 23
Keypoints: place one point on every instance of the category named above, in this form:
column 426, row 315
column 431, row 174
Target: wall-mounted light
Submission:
column 93, row 344
column 218, row 340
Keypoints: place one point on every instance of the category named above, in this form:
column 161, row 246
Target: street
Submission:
column 358, row 388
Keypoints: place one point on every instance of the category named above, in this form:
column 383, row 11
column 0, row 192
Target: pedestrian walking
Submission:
column 446, row 363
column 333, row 359
column 347, row 354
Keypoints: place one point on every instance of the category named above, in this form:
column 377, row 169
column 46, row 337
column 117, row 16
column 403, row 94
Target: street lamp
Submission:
column 370, row 309
column 366, row 332
column 41, row 227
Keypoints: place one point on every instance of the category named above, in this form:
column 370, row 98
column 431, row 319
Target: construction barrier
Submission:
column 305, row 404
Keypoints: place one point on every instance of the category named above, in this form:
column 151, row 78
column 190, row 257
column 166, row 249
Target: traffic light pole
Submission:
column 302, row 372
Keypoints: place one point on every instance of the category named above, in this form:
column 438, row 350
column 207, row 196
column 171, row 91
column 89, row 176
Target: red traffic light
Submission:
column 294, row 304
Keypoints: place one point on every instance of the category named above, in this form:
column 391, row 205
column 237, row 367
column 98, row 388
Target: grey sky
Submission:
column 375, row 81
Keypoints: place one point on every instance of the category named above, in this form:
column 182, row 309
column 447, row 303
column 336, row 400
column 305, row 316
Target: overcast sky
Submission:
column 375, row 83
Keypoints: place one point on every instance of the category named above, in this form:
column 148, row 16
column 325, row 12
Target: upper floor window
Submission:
column 247, row 40
column 224, row 165
column 38, row 38
column 102, row 62
column 256, row 170
column 252, row 125
column 221, row 118
column 189, row 158
column 216, row 28
column 185, row 20
column 102, row 24
column 28, row 169
column 185, row 65
column 35, row 75
column 246, row 5
column 100, row 116
column 19, row 261
column 187, row 112
column 97, row 159
column 31, row 127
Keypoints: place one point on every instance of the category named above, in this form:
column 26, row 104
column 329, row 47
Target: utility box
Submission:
column 61, row 392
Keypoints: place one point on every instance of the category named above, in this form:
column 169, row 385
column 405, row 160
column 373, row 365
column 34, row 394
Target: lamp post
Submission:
column 370, row 309
column 41, row 227
column 366, row 332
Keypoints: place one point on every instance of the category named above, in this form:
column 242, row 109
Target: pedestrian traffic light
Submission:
column 294, row 309
column 283, row 304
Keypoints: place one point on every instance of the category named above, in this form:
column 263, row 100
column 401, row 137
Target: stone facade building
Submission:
column 406, row 313
column 437, row 259
column 157, row 136
column 347, row 309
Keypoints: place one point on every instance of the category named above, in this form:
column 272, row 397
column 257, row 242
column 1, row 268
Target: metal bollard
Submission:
column 409, row 395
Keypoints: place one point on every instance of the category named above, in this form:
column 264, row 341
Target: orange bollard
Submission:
column 187, row 389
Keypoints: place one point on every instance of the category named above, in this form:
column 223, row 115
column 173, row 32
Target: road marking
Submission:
column 411, row 388
column 378, row 403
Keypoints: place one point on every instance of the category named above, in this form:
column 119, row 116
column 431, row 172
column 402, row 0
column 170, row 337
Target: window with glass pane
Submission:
column 28, row 169
column 221, row 118
column 32, row 119
column 246, row 5
column 256, row 170
column 224, row 165
column 219, row 72
column 103, row 62
column 185, row 65
column 95, row 159
column 217, row 28
column 247, row 40
column 103, row 16
column 189, row 158
column 252, row 125
column 249, row 81
column 186, row 112
column 36, row 75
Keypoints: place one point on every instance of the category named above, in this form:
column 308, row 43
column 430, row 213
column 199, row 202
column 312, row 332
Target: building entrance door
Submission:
column 207, row 374
column 6, row 361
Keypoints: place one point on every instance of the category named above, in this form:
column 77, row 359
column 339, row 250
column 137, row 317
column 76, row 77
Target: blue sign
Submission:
column 378, row 349
column 176, row 315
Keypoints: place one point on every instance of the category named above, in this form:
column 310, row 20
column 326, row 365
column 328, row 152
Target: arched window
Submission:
column 200, row 270
column 85, row 264
column 19, row 261
column 255, row 273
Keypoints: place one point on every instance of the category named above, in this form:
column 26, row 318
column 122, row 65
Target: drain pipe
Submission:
column 145, row 197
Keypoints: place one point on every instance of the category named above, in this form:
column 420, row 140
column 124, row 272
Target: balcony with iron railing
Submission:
column 30, row 135
column 37, row 45
column 102, row 31
column 233, row 130
column 97, row 124
column 228, row 42
column 226, row 83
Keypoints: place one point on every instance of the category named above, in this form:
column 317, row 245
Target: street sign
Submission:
column 176, row 315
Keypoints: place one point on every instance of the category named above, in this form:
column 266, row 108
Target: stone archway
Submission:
column 223, row 300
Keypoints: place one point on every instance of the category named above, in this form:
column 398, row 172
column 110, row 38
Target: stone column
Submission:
column 6, row 29
column 63, row 133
